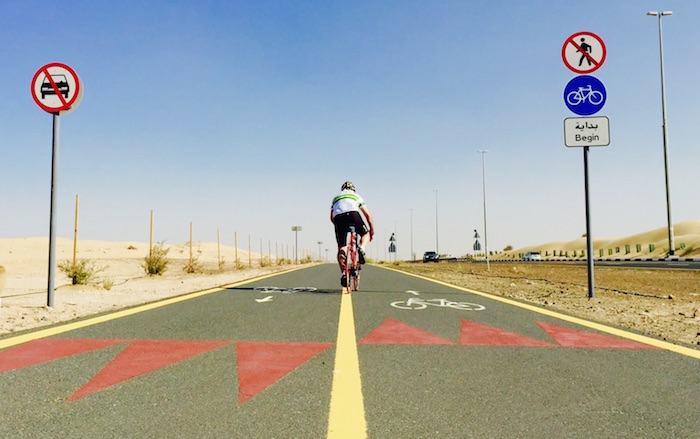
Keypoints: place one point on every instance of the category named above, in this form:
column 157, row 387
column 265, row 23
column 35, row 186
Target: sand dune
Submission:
column 686, row 235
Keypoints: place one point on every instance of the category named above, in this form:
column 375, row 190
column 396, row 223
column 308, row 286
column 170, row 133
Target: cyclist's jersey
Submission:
column 347, row 201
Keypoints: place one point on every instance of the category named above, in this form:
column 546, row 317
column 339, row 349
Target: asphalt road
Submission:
column 404, row 357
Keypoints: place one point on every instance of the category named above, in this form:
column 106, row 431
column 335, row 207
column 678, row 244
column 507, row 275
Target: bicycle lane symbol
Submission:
column 417, row 303
column 585, row 95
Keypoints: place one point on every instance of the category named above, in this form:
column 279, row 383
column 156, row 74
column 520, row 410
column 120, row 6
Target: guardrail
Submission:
column 673, row 259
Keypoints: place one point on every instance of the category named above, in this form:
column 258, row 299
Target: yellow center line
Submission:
column 346, row 419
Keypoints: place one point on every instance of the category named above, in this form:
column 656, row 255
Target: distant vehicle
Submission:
column 431, row 257
column 61, row 84
column 532, row 256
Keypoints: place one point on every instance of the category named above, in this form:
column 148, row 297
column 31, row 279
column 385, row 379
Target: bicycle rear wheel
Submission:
column 355, row 280
column 349, row 264
column 352, row 263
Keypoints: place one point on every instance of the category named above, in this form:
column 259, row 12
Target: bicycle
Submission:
column 584, row 94
column 352, row 261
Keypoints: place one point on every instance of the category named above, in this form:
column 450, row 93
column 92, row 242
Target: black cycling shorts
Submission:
column 342, row 226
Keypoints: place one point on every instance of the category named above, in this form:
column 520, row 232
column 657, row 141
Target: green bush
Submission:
column 81, row 272
column 157, row 262
column 193, row 265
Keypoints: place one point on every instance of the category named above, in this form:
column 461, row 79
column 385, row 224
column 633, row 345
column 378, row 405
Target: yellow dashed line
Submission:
column 346, row 419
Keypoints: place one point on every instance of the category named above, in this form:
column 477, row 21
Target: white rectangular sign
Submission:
column 587, row 131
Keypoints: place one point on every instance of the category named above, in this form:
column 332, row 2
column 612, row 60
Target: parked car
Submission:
column 430, row 257
column 532, row 256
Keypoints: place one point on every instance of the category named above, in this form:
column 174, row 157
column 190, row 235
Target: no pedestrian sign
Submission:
column 56, row 88
column 583, row 52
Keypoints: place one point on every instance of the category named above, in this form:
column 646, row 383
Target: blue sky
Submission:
column 246, row 116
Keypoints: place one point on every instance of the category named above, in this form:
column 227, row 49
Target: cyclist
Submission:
column 345, row 212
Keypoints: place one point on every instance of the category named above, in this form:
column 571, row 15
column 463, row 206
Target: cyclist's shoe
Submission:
column 343, row 280
column 361, row 254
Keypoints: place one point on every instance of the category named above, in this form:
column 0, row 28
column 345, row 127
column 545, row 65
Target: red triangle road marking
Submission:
column 474, row 334
column 142, row 357
column 395, row 332
column 573, row 338
column 261, row 364
column 48, row 349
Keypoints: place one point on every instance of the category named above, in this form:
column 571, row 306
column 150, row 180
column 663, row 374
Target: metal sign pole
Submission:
column 589, row 239
column 52, row 220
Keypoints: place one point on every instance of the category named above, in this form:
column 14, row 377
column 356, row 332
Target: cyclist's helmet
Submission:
column 348, row 186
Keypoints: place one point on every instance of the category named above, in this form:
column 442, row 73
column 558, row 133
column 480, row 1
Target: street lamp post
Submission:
column 671, row 246
column 437, row 247
column 319, row 250
column 483, row 185
column 413, row 257
column 296, row 230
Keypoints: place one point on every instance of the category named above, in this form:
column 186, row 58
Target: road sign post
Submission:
column 56, row 89
column 585, row 95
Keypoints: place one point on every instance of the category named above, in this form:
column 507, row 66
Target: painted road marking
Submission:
column 346, row 419
column 578, row 321
column 395, row 332
column 141, row 357
column 285, row 290
column 418, row 303
column 261, row 364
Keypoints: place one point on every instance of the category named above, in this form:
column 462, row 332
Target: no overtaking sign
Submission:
column 56, row 88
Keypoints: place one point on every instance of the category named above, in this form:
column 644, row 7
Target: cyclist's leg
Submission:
column 342, row 258
column 362, row 230
column 341, row 232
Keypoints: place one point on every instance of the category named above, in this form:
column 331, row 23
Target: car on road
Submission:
column 431, row 257
column 532, row 256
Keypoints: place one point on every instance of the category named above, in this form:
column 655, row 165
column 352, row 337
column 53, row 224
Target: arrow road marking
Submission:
column 264, row 299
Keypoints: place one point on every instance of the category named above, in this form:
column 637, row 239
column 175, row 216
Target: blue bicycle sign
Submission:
column 584, row 95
